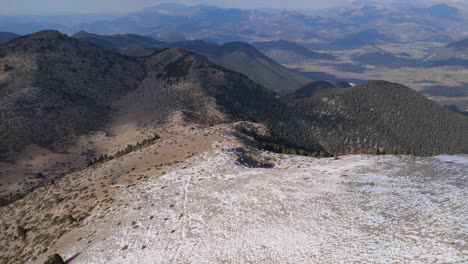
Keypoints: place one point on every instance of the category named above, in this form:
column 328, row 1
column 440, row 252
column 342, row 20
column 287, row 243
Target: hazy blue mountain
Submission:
column 373, row 55
column 288, row 52
column 127, row 44
column 360, row 39
column 175, row 22
column 246, row 59
column 441, row 10
column 455, row 53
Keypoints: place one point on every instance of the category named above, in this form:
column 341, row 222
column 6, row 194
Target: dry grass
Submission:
column 49, row 212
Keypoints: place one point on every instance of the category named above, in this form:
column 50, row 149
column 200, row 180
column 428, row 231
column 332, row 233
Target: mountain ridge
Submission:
column 7, row 36
column 244, row 58
column 237, row 96
column 286, row 52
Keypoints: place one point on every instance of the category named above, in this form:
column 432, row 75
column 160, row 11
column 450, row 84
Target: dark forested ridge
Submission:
column 287, row 52
column 375, row 118
column 319, row 88
column 7, row 36
column 68, row 87
column 386, row 117
column 127, row 44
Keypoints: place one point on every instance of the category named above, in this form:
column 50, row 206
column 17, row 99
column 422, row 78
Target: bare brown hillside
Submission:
column 64, row 103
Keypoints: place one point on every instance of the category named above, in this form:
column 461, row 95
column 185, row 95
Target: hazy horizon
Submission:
column 48, row 7
column 32, row 7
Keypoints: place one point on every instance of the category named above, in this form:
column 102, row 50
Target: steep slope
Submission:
column 7, row 36
column 244, row 58
column 127, row 44
column 286, row 52
column 385, row 116
column 442, row 11
column 455, row 53
column 53, row 101
column 360, row 39
column 373, row 55
column 54, row 87
column 65, row 102
column 236, row 56
column 319, row 88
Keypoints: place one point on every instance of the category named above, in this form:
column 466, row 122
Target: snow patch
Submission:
column 357, row 209
column 453, row 159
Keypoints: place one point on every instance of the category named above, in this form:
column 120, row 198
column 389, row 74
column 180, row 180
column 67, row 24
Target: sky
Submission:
column 122, row 6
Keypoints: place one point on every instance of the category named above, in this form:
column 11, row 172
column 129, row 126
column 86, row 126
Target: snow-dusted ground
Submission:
column 375, row 209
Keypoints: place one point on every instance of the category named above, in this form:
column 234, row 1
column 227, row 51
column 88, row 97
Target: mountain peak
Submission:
column 82, row 34
column 49, row 34
column 47, row 40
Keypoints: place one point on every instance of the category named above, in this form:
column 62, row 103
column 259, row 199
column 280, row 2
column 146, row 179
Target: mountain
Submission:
column 386, row 116
column 236, row 56
column 460, row 44
column 406, row 23
column 83, row 129
column 287, row 52
column 372, row 55
column 455, row 53
column 376, row 21
column 7, row 36
column 169, row 22
column 66, row 102
column 55, row 87
column 127, row 44
column 244, row 58
column 440, row 10
column 360, row 39
column 68, row 87
column 319, row 88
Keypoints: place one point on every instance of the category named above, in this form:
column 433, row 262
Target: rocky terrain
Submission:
column 204, row 194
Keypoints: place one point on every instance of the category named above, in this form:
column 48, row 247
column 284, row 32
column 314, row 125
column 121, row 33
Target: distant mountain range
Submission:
column 262, row 61
column 236, row 56
column 127, row 44
column 357, row 24
column 373, row 55
column 360, row 39
column 287, row 52
column 455, row 53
